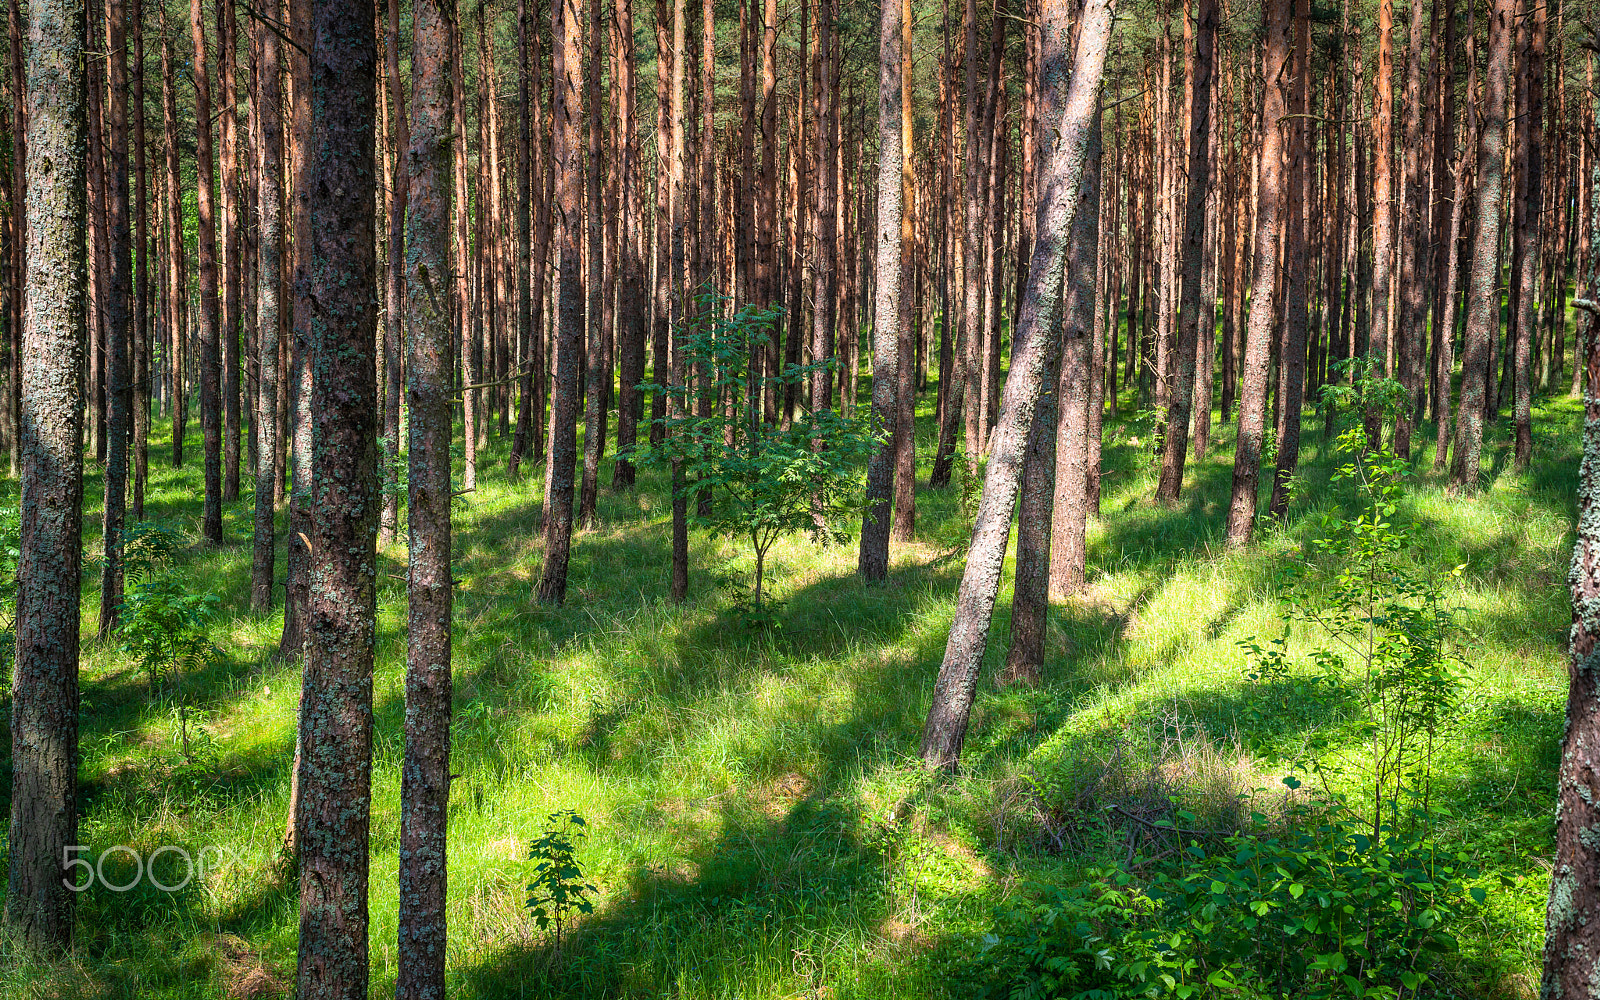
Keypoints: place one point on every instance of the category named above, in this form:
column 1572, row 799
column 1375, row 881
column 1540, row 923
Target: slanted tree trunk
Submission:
column 874, row 556
column 1181, row 392
column 1270, row 210
column 206, row 235
column 1061, row 170
column 566, row 152
column 425, row 773
column 1483, row 293
column 44, row 690
column 336, row 695
column 1051, row 467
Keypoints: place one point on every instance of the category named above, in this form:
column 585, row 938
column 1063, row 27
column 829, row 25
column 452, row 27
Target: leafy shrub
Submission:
column 1317, row 911
column 1084, row 942
column 167, row 628
column 558, row 890
column 1323, row 911
column 765, row 480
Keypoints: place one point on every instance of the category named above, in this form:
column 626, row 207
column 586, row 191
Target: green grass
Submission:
column 759, row 827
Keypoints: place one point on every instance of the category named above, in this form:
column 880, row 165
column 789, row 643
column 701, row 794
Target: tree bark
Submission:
column 336, row 694
column 1572, row 919
column 1061, row 170
column 269, row 312
column 44, row 692
column 1270, row 199
column 1530, row 122
column 1181, row 391
column 566, row 151
column 1071, row 465
column 119, row 317
column 425, row 773
column 206, row 235
column 873, row 562
column 1483, row 295
column 597, row 377
column 394, row 286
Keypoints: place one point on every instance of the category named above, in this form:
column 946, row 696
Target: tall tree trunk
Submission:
column 678, row 588
column 905, row 421
column 206, row 235
column 1483, row 294
column 1271, row 191
column 232, row 269
column 566, row 151
column 874, row 556
column 824, row 289
column 141, row 277
column 1572, row 918
column 1292, row 355
column 1530, row 122
column 632, row 316
column 1061, row 171
column 394, row 286
column 177, row 277
column 44, row 690
column 269, row 312
column 1383, row 180
column 336, row 694
column 425, row 774
column 1410, row 328
column 297, row 581
column 119, row 317
column 1182, row 389
column 597, row 377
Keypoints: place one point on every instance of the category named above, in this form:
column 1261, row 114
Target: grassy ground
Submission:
column 758, row 827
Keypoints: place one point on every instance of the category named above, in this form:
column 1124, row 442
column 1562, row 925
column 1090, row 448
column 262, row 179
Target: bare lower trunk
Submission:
column 331, row 821
column 1270, row 207
column 425, row 773
column 44, row 691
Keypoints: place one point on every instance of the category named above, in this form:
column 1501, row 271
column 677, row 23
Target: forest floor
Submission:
column 758, row 827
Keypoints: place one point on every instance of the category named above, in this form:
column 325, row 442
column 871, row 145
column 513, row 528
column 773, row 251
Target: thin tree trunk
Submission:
column 119, row 317
column 206, row 234
column 566, row 150
column 1181, row 391
column 874, row 555
column 1483, row 296
column 394, row 288
column 598, row 374
column 269, row 282
column 1530, row 121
